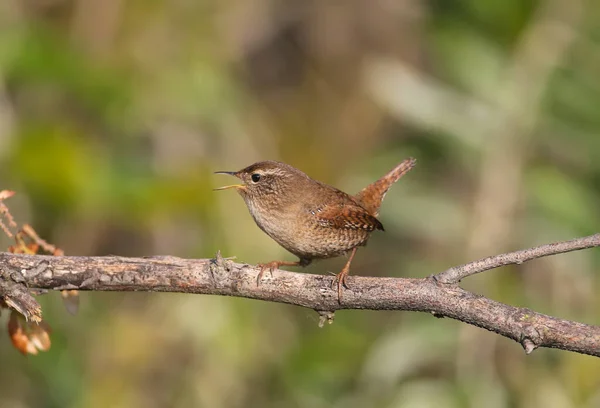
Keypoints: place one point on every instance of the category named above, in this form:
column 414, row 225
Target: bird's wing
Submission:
column 345, row 216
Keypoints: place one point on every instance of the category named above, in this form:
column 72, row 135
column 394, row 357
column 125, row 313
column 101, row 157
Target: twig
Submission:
column 455, row 274
column 439, row 295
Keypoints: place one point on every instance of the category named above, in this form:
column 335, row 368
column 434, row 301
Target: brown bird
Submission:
column 308, row 218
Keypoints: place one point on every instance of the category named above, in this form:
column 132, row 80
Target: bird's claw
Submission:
column 271, row 266
column 340, row 282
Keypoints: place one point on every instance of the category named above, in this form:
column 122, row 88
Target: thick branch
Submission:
column 222, row 277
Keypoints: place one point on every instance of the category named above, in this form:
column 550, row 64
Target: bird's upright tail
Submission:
column 372, row 195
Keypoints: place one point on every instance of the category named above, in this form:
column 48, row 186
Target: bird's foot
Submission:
column 340, row 278
column 340, row 282
column 270, row 266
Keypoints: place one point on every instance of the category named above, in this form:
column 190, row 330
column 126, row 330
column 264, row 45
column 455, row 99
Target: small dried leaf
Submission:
column 22, row 247
column 28, row 337
column 40, row 335
column 19, row 247
column 17, row 335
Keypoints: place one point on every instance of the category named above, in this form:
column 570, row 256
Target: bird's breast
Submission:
column 298, row 231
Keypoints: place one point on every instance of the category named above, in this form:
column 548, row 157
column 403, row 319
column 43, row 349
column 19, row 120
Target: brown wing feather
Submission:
column 346, row 216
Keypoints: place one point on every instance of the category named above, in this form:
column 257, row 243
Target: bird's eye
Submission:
column 255, row 177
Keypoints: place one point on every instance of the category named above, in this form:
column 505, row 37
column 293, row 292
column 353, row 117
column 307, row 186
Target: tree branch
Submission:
column 439, row 294
column 15, row 295
column 455, row 274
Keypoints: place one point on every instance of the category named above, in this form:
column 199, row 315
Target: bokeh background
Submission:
column 114, row 114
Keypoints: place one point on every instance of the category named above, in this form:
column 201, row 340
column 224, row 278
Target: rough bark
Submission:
column 437, row 294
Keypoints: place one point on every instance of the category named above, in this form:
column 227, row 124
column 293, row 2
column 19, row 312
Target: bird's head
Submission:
column 264, row 180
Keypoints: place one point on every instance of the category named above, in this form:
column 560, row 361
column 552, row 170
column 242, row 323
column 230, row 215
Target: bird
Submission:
column 308, row 218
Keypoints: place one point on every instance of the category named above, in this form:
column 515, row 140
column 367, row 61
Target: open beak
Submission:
column 231, row 173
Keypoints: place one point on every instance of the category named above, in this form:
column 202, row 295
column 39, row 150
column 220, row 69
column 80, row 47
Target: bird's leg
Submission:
column 340, row 278
column 271, row 266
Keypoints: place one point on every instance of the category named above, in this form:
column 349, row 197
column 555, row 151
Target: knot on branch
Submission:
column 220, row 269
column 530, row 337
column 528, row 345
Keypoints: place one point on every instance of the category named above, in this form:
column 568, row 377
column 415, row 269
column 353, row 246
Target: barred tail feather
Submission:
column 371, row 197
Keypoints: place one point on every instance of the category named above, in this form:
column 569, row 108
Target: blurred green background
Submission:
column 114, row 114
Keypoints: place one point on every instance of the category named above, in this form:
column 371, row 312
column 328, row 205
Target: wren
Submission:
column 310, row 219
